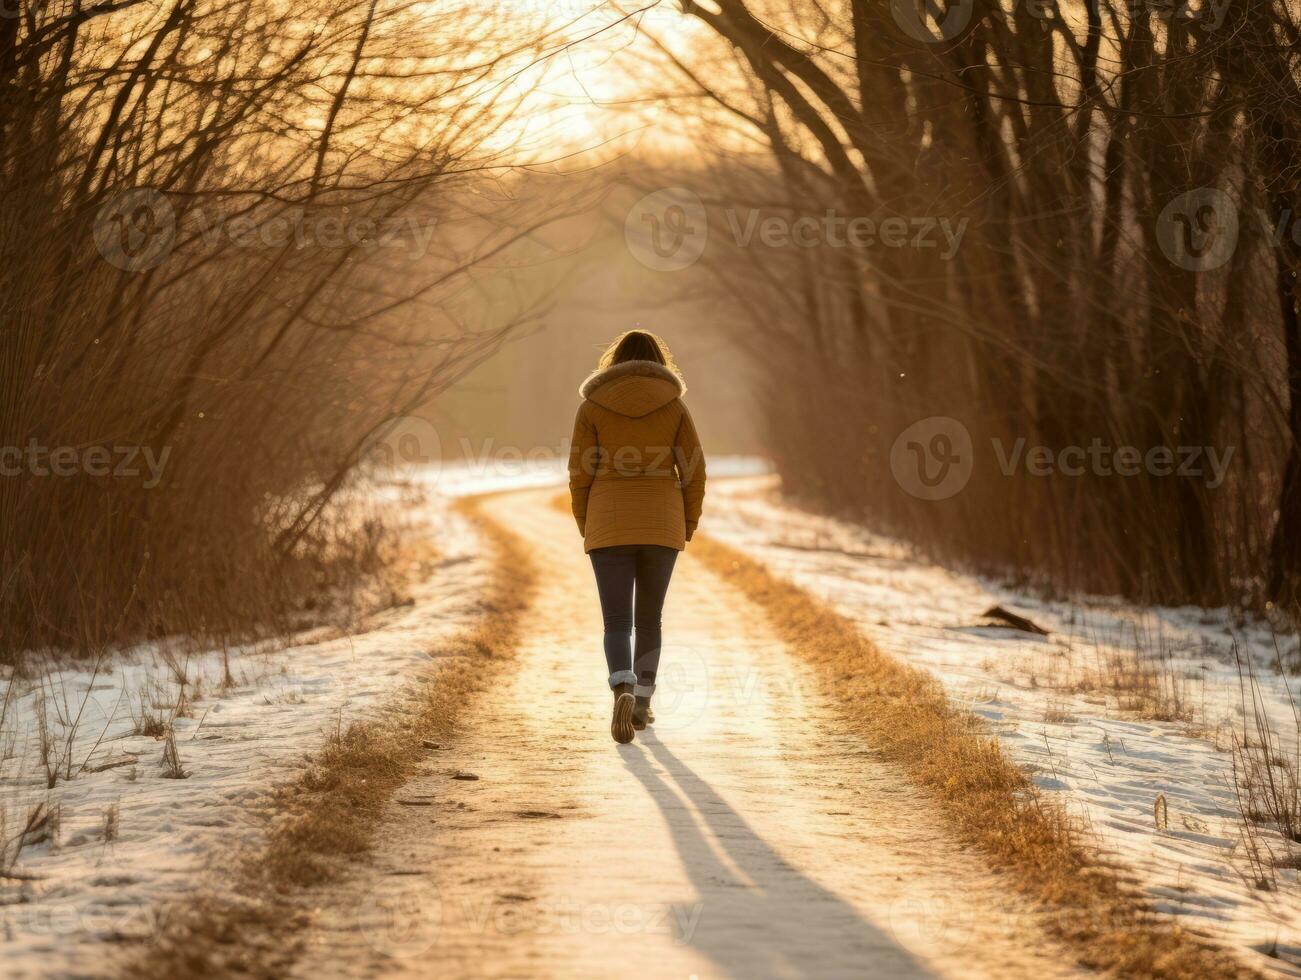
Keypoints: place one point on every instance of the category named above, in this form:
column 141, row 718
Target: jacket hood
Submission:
column 633, row 388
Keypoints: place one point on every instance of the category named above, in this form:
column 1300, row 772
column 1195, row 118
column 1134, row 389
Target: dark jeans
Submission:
column 621, row 570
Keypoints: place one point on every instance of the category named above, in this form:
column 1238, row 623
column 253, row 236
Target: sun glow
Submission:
column 594, row 92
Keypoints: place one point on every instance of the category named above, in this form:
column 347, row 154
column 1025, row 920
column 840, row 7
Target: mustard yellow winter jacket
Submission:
column 636, row 469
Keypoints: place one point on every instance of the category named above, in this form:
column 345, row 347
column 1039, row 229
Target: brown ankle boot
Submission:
column 643, row 690
column 621, row 727
column 641, row 713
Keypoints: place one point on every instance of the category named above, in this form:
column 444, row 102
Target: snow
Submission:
column 1039, row 694
column 1106, row 763
column 504, row 471
column 235, row 742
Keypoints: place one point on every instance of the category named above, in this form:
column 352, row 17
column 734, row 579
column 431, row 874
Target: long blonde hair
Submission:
column 637, row 345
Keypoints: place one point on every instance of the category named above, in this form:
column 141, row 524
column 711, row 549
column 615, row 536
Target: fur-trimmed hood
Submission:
column 633, row 388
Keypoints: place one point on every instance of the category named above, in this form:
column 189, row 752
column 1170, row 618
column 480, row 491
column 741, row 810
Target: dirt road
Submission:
column 742, row 836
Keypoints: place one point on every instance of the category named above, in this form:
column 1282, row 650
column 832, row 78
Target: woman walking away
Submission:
column 637, row 482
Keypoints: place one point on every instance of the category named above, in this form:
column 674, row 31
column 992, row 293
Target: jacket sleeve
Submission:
column 582, row 465
column 690, row 460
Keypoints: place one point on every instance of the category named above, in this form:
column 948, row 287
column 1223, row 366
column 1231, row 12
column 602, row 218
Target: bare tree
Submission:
column 1088, row 149
column 232, row 241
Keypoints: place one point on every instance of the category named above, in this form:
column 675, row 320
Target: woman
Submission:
column 637, row 482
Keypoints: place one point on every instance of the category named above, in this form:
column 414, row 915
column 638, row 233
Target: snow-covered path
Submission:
column 742, row 836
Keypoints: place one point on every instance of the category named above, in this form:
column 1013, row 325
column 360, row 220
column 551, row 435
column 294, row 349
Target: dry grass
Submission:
column 905, row 714
column 332, row 812
column 1142, row 673
column 1137, row 670
column 1267, row 780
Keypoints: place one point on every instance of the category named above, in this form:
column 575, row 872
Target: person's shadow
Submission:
column 759, row 917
